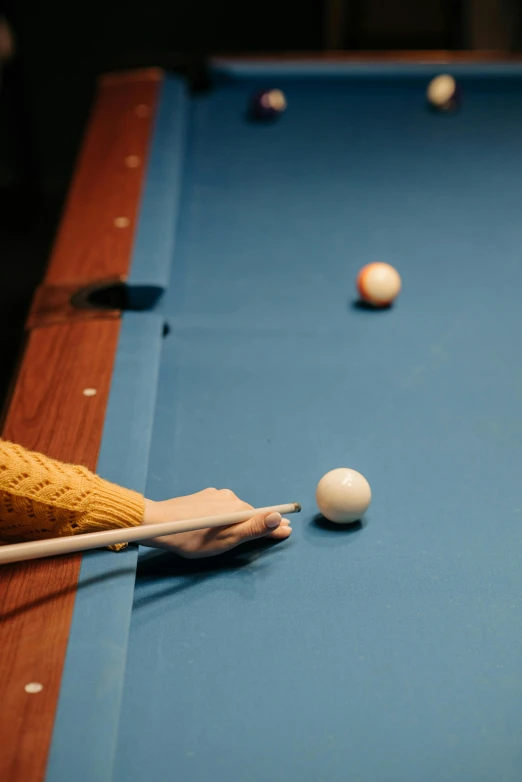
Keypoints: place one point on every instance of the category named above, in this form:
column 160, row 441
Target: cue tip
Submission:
column 297, row 506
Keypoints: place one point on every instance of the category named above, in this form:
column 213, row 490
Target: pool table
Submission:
column 198, row 326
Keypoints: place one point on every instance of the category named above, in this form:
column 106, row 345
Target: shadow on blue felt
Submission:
column 322, row 532
column 165, row 570
column 85, row 584
column 250, row 117
column 363, row 306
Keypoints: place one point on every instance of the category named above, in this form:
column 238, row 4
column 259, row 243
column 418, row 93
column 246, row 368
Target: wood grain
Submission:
column 379, row 56
column 54, row 304
column 90, row 246
column 48, row 411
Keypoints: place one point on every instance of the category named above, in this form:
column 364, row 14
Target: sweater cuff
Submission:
column 114, row 507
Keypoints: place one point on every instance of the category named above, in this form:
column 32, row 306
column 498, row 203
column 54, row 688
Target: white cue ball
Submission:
column 378, row 284
column 441, row 90
column 343, row 495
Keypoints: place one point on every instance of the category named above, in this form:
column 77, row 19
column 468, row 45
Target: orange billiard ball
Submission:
column 378, row 284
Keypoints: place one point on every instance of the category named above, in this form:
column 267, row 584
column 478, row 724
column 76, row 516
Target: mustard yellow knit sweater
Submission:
column 43, row 498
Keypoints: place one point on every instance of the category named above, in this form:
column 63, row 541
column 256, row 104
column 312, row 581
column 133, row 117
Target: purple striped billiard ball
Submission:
column 268, row 104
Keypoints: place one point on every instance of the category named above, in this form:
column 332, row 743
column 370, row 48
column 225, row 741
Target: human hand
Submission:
column 217, row 540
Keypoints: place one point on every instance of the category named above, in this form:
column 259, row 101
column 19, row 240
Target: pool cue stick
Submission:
column 50, row 547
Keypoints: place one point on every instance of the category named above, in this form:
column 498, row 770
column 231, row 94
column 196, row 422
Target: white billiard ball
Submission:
column 378, row 284
column 443, row 93
column 343, row 495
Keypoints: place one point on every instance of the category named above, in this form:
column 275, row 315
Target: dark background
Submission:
column 60, row 47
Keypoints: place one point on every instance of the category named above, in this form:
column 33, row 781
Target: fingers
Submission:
column 259, row 527
column 283, row 531
column 224, row 498
column 228, row 494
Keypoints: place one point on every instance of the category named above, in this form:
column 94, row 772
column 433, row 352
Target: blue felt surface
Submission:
column 90, row 697
column 392, row 652
column 150, row 263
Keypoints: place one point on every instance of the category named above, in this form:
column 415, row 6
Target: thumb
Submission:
column 257, row 527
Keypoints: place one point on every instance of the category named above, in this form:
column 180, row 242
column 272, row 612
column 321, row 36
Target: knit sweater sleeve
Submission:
column 44, row 498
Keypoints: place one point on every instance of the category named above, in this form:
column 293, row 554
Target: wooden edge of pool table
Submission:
column 367, row 55
column 67, row 351
column 94, row 240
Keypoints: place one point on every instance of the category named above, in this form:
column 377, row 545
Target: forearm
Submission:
column 42, row 498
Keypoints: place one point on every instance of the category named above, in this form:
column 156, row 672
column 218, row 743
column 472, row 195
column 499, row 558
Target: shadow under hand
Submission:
column 159, row 563
column 171, row 574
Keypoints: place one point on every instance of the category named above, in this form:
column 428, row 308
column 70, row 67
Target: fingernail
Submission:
column 273, row 520
column 286, row 522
